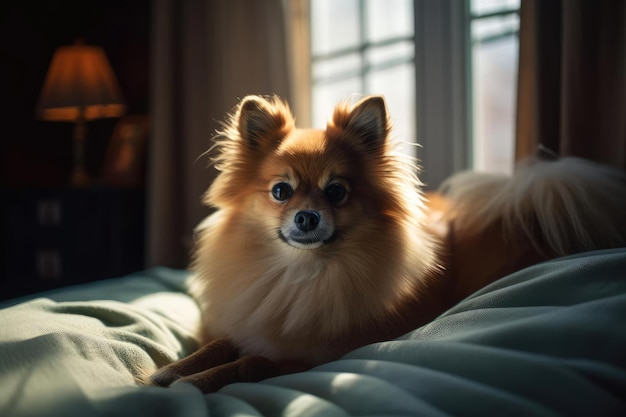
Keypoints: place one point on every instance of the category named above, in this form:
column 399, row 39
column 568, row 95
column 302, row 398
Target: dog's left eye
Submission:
column 282, row 191
column 335, row 193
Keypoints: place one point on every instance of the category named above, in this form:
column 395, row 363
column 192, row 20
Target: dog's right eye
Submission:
column 282, row 191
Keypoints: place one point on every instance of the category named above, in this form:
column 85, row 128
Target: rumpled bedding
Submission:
column 549, row 340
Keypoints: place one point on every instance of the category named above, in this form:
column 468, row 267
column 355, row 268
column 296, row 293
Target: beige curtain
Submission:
column 572, row 79
column 206, row 55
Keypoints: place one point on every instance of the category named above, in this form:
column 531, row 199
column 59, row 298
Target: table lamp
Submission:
column 80, row 86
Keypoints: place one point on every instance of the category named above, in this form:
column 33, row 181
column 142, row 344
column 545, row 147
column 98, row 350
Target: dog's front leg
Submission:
column 211, row 355
column 244, row 369
column 218, row 363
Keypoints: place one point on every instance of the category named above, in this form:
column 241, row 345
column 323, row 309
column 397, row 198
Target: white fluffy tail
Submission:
column 565, row 206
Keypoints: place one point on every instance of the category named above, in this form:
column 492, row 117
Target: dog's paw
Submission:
column 164, row 377
column 218, row 364
column 214, row 354
column 245, row 369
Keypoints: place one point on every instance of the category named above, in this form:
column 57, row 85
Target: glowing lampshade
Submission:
column 80, row 83
column 80, row 86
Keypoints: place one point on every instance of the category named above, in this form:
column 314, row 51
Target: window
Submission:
column 495, row 26
column 446, row 67
column 362, row 47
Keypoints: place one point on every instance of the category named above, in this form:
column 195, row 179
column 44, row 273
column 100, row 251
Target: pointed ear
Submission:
column 262, row 121
column 367, row 120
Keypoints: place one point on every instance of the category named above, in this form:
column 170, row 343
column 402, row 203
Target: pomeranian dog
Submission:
column 323, row 242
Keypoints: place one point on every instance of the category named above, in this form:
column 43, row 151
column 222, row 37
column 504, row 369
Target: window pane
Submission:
column 397, row 85
column 346, row 66
column 388, row 19
column 491, row 27
column 495, row 84
column 389, row 54
column 334, row 25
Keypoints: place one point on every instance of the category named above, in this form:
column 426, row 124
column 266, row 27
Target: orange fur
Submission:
column 322, row 240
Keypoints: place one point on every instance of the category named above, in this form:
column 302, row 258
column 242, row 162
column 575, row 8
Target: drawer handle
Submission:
column 49, row 264
column 49, row 212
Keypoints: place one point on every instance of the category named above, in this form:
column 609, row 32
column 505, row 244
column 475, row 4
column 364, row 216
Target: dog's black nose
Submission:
column 307, row 220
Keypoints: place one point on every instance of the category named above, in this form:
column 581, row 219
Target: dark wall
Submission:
column 35, row 153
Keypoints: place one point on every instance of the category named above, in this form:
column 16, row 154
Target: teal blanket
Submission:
column 549, row 340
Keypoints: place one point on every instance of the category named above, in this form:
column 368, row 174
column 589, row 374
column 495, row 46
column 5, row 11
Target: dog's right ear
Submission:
column 256, row 128
column 263, row 122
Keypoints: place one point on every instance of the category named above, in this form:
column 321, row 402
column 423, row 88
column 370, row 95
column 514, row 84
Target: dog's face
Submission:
column 307, row 189
column 311, row 190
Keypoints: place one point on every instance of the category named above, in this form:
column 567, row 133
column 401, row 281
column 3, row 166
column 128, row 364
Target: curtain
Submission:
column 572, row 79
column 206, row 55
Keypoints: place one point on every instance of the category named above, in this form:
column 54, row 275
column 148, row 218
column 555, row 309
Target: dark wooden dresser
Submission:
column 57, row 237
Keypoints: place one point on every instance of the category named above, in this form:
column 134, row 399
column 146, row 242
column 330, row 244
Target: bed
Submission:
column 548, row 340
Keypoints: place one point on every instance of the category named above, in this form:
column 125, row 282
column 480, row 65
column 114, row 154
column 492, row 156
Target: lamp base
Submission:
column 80, row 178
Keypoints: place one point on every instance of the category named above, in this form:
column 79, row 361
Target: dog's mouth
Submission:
column 313, row 241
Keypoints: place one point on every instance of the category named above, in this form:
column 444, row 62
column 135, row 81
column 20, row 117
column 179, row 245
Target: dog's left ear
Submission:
column 263, row 121
column 367, row 120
